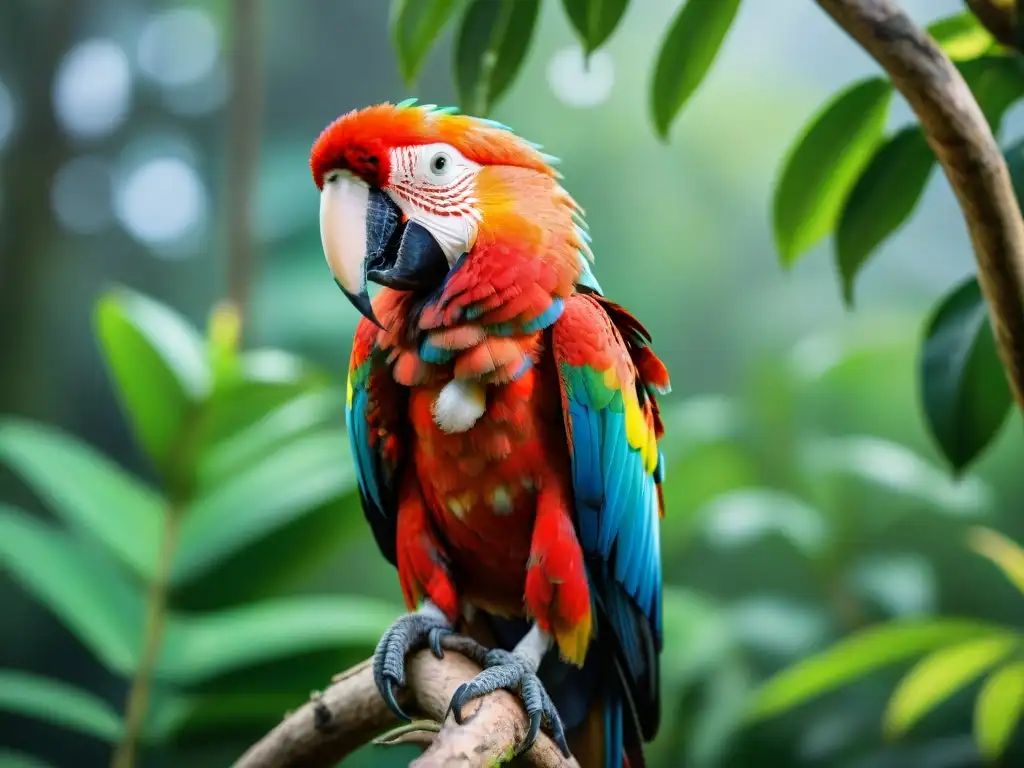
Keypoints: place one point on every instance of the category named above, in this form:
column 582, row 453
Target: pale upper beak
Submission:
column 364, row 238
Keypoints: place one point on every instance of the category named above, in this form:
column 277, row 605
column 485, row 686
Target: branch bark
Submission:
column 350, row 713
column 957, row 131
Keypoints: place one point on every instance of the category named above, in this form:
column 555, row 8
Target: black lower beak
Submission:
column 416, row 263
column 400, row 254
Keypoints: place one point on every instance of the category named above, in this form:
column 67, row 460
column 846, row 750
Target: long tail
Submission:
column 606, row 737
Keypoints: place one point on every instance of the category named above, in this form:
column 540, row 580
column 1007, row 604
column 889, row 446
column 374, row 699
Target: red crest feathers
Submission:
column 360, row 141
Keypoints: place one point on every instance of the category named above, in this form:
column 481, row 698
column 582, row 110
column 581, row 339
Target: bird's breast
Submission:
column 480, row 484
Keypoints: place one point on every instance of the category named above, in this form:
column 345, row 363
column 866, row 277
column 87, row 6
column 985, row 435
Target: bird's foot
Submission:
column 516, row 672
column 411, row 632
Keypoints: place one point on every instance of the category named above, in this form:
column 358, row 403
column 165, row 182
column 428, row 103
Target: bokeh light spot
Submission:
column 577, row 82
column 178, row 47
column 81, row 194
column 161, row 200
column 92, row 90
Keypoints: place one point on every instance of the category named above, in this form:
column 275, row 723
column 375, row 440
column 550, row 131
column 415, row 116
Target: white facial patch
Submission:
column 434, row 185
column 459, row 404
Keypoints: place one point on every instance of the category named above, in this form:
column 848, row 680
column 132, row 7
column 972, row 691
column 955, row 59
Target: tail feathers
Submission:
column 607, row 738
column 613, row 736
column 623, row 747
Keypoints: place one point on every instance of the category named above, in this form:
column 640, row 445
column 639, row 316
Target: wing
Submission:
column 373, row 408
column 609, row 378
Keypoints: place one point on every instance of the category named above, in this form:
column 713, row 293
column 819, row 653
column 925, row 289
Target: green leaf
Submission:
column 281, row 561
column 267, row 378
column 491, row 45
column 57, row 703
column 594, row 20
column 415, row 27
column 159, row 364
column 962, row 36
column 697, row 628
column 883, row 198
column 744, row 516
column 859, row 655
column 89, row 595
column 1015, row 161
column 290, row 483
column 686, row 55
column 89, row 492
column 964, row 390
column 698, row 422
column 1000, row 550
column 9, row 759
column 940, row 675
column 997, row 83
column 200, row 647
column 998, row 709
column 223, row 336
column 297, row 417
column 897, row 469
column 824, row 163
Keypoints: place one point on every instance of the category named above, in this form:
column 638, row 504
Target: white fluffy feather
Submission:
column 458, row 405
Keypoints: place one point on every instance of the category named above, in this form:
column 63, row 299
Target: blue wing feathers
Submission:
column 374, row 475
column 617, row 517
column 616, row 461
column 366, row 470
column 587, row 477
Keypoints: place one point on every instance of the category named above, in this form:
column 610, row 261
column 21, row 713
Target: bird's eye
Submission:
column 440, row 163
column 331, row 176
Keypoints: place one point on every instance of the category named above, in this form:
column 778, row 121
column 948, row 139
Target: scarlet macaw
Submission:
column 503, row 420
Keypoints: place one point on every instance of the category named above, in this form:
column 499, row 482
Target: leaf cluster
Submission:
column 254, row 487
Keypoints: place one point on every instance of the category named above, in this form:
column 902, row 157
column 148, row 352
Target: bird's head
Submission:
column 405, row 191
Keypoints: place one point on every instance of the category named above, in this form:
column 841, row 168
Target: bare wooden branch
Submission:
column 350, row 713
column 957, row 131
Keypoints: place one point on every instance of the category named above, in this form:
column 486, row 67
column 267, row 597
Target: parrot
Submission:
column 503, row 420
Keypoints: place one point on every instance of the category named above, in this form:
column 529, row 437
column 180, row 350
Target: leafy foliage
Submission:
column 959, row 652
column 843, row 176
column 490, row 47
column 963, row 388
column 824, row 165
column 249, row 447
column 415, row 25
column 686, row 55
column 884, row 196
column 594, row 20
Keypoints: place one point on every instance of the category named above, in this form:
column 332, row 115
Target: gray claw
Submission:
column 409, row 633
column 435, row 637
column 507, row 670
column 389, row 698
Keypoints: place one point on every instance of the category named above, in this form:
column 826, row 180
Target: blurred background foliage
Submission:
column 808, row 500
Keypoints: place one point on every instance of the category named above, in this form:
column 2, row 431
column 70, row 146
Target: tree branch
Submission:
column 351, row 712
column 244, row 117
column 957, row 131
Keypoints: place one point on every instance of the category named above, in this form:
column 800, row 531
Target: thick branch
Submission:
column 351, row 712
column 957, row 131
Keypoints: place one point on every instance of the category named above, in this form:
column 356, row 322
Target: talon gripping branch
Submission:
column 503, row 418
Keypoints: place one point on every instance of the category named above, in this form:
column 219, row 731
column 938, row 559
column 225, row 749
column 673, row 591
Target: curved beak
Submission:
column 365, row 238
